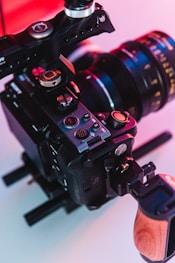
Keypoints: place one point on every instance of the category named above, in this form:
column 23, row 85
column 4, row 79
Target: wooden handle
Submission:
column 150, row 236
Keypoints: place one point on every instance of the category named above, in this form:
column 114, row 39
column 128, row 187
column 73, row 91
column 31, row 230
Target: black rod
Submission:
column 15, row 175
column 151, row 144
column 44, row 210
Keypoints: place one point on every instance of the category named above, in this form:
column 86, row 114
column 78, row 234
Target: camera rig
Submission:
column 77, row 155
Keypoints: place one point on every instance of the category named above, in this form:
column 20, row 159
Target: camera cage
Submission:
column 20, row 52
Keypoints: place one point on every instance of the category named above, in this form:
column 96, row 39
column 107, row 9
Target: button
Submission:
column 71, row 122
column 95, row 126
column 86, row 117
column 82, row 134
column 119, row 116
column 118, row 119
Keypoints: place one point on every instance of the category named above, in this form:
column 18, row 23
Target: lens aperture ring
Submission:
column 149, row 87
column 162, row 48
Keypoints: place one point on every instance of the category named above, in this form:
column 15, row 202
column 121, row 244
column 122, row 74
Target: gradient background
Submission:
column 105, row 235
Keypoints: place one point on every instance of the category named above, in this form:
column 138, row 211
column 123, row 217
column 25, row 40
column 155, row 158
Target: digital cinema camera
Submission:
column 77, row 122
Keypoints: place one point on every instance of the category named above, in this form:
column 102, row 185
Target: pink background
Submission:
column 104, row 235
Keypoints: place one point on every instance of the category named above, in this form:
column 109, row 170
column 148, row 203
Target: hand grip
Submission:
column 150, row 236
column 154, row 228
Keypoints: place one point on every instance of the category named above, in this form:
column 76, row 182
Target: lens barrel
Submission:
column 139, row 76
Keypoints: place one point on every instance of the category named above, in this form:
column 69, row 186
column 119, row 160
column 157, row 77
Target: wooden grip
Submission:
column 150, row 236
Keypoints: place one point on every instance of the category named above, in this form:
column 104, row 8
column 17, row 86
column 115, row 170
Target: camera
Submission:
column 77, row 120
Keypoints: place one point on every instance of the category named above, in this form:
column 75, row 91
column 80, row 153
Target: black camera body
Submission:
column 44, row 111
column 69, row 145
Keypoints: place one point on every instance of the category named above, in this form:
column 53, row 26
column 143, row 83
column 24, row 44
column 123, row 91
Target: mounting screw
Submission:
column 121, row 149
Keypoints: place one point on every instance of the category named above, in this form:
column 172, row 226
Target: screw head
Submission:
column 121, row 149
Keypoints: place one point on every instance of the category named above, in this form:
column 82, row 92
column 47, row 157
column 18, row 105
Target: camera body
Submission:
column 43, row 108
column 68, row 144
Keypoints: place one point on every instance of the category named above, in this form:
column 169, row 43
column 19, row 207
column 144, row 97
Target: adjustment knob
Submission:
column 50, row 78
column 118, row 119
column 79, row 9
column 40, row 29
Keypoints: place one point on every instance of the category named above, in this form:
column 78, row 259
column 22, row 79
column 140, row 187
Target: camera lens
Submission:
column 138, row 77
